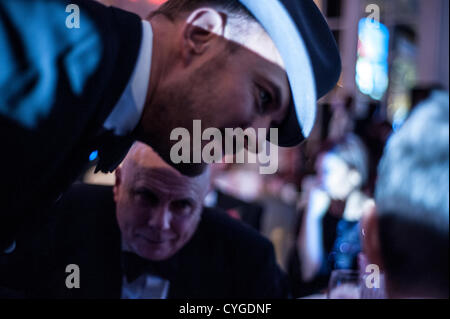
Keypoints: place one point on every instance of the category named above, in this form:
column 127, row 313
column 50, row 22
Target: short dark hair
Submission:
column 172, row 8
column 238, row 17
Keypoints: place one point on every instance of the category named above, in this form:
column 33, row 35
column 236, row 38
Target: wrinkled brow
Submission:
column 166, row 181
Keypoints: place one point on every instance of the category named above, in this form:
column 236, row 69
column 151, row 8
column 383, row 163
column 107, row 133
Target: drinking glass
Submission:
column 344, row 284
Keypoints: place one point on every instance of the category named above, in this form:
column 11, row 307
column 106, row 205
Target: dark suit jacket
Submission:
column 57, row 87
column 250, row 213
column 224, row 259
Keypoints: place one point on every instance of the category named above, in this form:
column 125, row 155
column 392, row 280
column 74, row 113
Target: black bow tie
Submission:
column 112, row 149
column 135, row 266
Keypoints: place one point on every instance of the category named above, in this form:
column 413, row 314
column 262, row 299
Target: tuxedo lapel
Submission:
column 112, row 150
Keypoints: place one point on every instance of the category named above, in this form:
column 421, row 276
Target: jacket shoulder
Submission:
column 234, row 236
column 85, row 213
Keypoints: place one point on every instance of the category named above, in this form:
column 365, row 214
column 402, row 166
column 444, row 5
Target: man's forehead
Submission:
column 143, row 156
column 266, row 57
column 143, row 164
column 158, row 175
column 166, row 181
column 247, row 33
column 257, row 41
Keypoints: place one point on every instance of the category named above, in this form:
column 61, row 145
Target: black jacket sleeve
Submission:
column 57, row 87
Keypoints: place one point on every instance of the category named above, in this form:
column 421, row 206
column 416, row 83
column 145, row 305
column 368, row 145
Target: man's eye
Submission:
column 146, row 196
column 265, row 98
column 182, row 207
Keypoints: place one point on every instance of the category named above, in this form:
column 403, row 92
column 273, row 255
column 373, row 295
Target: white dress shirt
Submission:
column 126, row 114
column 146, row 286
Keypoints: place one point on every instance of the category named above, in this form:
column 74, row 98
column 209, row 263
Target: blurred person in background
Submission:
column 247, row 211
column 341, row 122
column 265, row 202
column 374, row 131
column 279, row 197
column 407, row 234
column 149, row 237
column 328, row 237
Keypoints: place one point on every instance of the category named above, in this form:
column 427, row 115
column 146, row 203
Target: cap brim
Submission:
column 279, row 25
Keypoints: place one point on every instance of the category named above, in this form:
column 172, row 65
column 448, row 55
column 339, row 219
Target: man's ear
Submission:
column 370, row 237
column 117, row 184
column 201, row 28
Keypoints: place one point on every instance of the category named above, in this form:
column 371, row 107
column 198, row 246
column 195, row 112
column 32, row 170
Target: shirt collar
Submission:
column 128, row 111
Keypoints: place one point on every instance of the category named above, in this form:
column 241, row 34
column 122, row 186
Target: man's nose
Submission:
column 264, row 123
column 160, row 218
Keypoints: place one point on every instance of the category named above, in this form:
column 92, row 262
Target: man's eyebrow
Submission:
column 188, row 199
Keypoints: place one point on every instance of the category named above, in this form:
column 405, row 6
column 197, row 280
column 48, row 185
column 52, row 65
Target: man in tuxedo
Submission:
column 149, row 237
column 78, row 79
